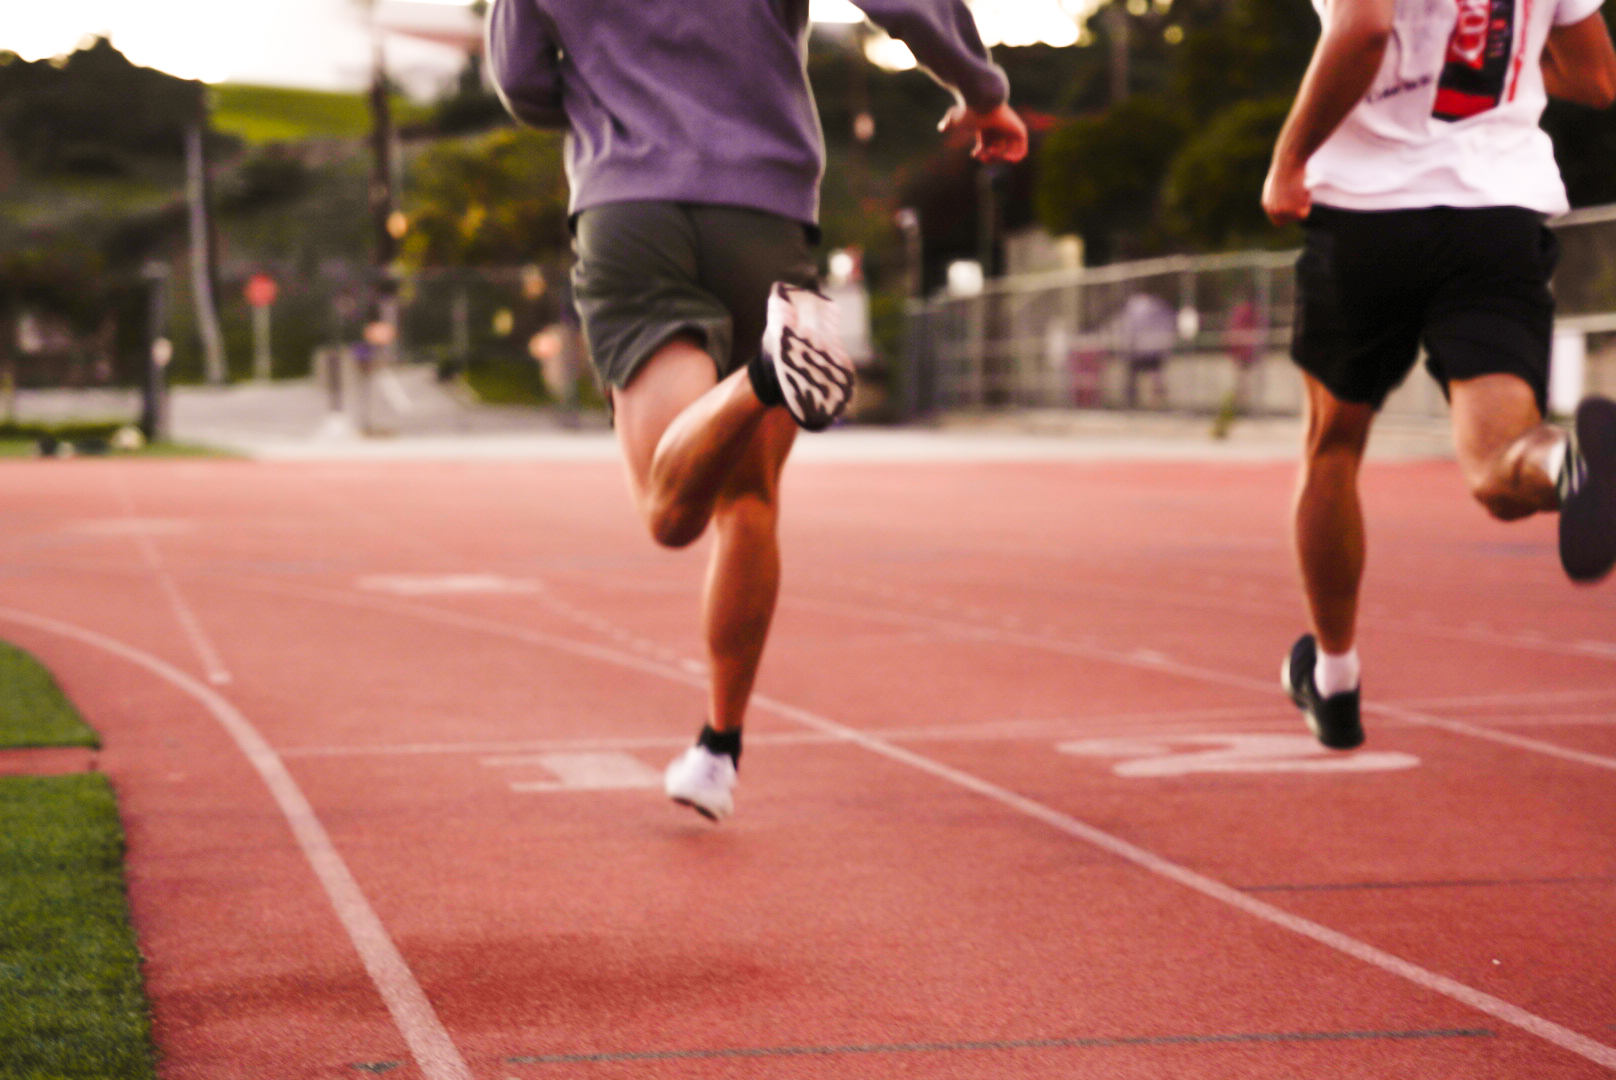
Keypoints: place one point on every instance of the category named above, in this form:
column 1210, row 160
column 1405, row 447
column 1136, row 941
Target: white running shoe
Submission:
column 703, row 781
column 802, row 344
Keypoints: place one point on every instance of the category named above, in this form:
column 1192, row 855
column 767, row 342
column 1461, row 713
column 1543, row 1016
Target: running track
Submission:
column 1021, row 795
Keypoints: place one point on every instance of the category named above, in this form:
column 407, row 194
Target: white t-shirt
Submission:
column 1452, row 116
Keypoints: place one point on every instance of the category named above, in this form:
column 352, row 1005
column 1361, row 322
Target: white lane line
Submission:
column 429, row 1042
column 1513, row 1015
column 1504, row 738
column 1156, row 662
column 217, row 673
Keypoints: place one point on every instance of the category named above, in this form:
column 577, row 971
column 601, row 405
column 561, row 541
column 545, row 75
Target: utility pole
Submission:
column 202, row 249
column 153, row 403
column 1116, row 31
column 384, row 241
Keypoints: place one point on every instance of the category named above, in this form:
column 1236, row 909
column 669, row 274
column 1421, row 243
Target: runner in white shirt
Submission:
column 1414, row 159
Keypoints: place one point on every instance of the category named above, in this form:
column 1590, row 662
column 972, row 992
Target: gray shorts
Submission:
column 648, row 272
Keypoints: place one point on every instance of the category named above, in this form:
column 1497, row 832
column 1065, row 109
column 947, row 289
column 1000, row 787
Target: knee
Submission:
column 749, row 516
column 674, row 526
column 1332, row 461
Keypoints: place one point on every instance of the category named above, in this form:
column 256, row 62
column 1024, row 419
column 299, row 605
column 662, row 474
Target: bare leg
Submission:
column 700, row 450
column 1328, row 515
column 683, row 432
column 1503, row 446
column 743, row 574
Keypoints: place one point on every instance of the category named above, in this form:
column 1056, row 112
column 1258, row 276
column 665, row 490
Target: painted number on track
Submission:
column 582, row 771
column 1180, row 755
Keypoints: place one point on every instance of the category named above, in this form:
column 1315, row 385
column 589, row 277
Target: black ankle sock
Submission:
column 765, row 383
column 722, row 742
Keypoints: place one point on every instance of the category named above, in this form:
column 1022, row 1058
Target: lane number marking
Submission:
column 445, row 584
column 1180, row 755
column 598, row 770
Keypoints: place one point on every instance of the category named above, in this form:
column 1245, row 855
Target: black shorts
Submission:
column 1471, row 284
column 648, row 272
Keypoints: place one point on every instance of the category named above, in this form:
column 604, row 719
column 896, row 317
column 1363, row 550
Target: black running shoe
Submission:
column 1333, row 719
column 1588, row 494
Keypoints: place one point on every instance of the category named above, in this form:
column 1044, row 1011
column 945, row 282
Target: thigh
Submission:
column 1360, row 302
column 637, row 285
column 743, row 253
column 1493, row 313
column 1490, row 413
column 665, row 385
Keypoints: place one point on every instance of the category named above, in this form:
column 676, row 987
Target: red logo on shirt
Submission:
column 1477, row 65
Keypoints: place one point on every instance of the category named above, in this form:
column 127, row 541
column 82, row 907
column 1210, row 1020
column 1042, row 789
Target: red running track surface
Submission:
column 1021, row 798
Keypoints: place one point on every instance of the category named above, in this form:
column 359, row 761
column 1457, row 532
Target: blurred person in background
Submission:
column 1413, row 158
column 1147, row 329
column 694, row 158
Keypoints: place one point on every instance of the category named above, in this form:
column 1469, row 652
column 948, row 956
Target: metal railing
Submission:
column 1061, row 340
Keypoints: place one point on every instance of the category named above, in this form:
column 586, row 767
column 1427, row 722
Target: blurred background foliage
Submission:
column 1150, row 138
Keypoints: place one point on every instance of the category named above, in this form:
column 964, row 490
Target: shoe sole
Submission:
column 816, row 380
column 698, row 808
column 1588, row 521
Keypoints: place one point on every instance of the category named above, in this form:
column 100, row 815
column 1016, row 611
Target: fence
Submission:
column 1066, row 339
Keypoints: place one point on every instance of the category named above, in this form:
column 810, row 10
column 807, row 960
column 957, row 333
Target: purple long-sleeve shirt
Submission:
column 702, row 101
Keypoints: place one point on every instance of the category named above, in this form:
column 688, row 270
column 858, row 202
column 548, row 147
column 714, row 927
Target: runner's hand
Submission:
column 1000, row 134
column 1285, row 198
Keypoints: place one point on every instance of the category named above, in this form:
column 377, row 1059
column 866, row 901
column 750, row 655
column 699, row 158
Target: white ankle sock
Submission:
column 1336, row 674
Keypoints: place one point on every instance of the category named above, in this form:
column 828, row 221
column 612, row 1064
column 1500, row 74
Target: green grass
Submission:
column 90, row 437
column 33, row 711
column 261, row 114
column 27, row 448
column 266, row 114
column 72, row 1006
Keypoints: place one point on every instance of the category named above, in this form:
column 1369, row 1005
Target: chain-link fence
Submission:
column 1194, row 333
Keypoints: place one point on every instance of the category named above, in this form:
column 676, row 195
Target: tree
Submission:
column 93, row 113
column 1183, row 167
column 495, row 200
column 1213, row 190
column 1101, row 176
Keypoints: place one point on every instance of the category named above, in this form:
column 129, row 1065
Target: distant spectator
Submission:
column 1147, row 331
column 1240, row 338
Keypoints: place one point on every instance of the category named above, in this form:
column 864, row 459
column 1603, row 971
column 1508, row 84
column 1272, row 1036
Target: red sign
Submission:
column 261, row 290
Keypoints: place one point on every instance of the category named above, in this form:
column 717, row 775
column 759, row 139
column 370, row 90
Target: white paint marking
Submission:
column 1513, row 1015
column 133, row 526
column 1598, row 648
column 142, row 530
column 429, row 1042
column 583, row 771
column 1234, row 754
column 445, row 584
column 1206, row 675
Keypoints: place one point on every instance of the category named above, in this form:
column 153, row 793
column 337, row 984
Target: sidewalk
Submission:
column 412, row 416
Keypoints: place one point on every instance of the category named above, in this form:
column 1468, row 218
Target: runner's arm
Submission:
column 524, row 62
column 1343, row 67
column 942, row 34
column 1579, row 64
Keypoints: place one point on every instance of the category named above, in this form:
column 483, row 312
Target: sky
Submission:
column 325, row 44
